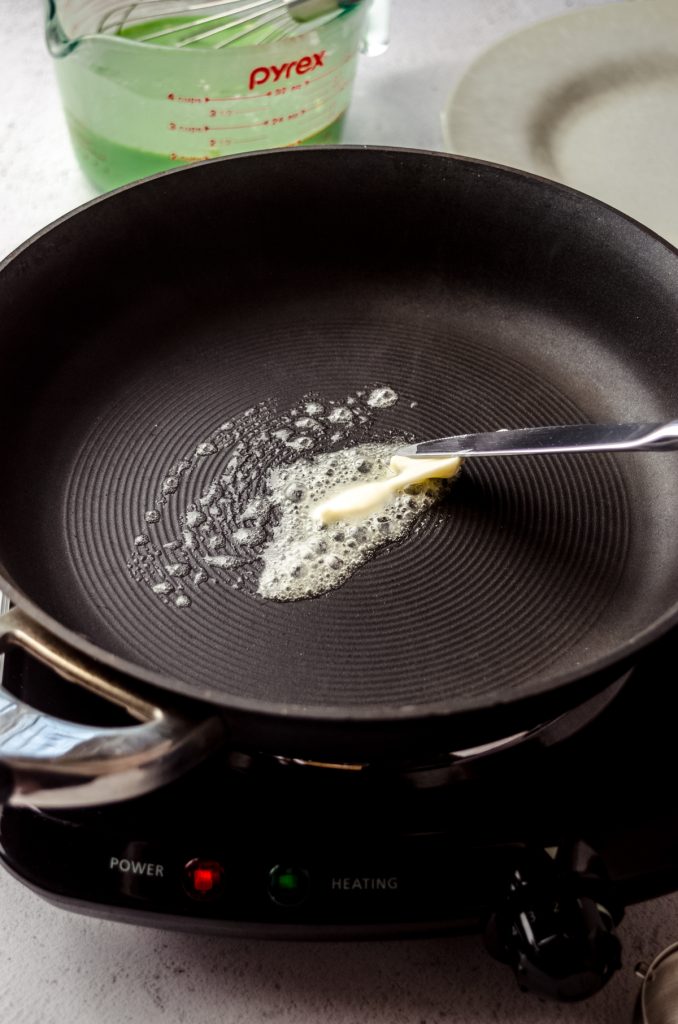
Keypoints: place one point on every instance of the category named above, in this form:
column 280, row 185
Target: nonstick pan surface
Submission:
column 485, row 297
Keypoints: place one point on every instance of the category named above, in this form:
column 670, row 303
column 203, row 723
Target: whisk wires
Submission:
column 190, row 24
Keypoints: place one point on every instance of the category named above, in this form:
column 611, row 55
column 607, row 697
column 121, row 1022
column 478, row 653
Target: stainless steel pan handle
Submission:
column 48, row 762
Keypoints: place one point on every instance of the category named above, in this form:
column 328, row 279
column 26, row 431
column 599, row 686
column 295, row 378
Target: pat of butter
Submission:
column 365, row 499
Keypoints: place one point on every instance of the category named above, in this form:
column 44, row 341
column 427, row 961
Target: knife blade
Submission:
column 570, row 438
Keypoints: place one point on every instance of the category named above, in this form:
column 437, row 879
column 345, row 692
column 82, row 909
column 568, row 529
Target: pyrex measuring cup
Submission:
column 134, row 108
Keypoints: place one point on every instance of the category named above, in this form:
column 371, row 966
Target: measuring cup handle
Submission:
column 58, row 43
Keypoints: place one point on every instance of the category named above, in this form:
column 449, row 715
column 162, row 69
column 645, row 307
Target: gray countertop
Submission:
column 57, row 967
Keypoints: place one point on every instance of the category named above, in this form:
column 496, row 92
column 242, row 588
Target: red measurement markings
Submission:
column 252, row 124
column 213, row 143
column 280, row 90
column 184, row 158
column 231, row 99
column 229, row 113
column 273, row 122
column 269, row 122
column 317, row 103
column 322, row 112
column 183, row 99
column 199, row 129
column 192, row 129
column 317, row 123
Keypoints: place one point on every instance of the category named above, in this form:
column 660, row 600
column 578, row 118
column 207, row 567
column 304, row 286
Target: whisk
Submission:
column 218, row 23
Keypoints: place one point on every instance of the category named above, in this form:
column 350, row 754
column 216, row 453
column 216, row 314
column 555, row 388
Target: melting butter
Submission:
column 305, row 556
column 366, row 498
column 253, row 528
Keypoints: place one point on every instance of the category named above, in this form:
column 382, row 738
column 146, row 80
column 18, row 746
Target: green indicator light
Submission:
column 288, row 886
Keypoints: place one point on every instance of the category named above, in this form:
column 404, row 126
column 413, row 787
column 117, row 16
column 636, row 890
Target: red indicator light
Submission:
column 203, row 878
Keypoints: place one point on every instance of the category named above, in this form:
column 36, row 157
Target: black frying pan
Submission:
column 488, row 297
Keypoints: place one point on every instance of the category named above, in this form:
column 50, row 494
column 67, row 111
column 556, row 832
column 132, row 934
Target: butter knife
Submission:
column 572, row 438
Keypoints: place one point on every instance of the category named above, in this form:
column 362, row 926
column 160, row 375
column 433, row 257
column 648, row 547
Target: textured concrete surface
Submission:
column 56, row 967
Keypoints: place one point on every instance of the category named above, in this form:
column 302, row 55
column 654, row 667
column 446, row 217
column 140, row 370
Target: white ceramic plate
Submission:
column 589, row 99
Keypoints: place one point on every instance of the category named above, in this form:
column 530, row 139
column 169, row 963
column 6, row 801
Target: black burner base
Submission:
column 272, row 847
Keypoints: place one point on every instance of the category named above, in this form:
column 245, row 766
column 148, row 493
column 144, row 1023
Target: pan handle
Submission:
column 46, row 762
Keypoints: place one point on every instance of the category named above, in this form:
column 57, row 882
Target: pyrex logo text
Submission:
column 300, row 67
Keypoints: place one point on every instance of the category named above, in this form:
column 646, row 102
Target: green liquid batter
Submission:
column 109, row 164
